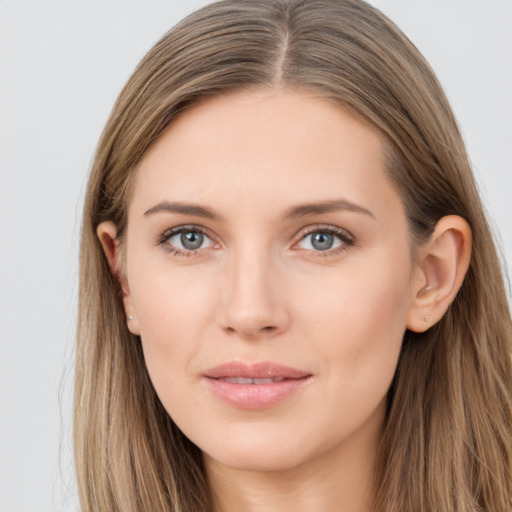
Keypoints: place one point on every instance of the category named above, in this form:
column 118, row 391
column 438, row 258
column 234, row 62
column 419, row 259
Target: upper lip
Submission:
column 261, row 370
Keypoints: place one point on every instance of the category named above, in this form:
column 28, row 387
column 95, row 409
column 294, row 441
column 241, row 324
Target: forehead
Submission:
column 279, row 146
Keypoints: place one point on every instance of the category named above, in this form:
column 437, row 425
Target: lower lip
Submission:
column 255, row 396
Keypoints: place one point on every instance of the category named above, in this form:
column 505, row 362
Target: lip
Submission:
column 286, row 381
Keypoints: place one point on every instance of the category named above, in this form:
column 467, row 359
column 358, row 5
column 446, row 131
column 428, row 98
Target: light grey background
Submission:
column 62, row 64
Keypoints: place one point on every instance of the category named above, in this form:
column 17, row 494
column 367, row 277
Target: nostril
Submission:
column 269, row 329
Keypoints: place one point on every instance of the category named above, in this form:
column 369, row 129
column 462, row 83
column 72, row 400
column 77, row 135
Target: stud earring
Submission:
column 427, row 318
column 131, row 317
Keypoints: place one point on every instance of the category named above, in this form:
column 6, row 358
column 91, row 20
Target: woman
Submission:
column 290, row 298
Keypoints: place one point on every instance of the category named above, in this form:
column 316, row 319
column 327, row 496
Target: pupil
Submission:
column 322, row 241
column 191, row 240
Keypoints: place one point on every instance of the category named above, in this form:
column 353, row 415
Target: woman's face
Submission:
column 269, row 269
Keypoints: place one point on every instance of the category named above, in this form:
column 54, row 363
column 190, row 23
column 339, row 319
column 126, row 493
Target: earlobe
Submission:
column 443, row 263
column 107, row 234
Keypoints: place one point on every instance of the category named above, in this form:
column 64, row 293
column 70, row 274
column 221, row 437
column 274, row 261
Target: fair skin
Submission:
column 262, row 227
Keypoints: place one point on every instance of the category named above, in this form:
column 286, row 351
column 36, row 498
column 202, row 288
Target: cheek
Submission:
column 169, row 300
column 359, row 320
column 370, row 295
column 172, row 310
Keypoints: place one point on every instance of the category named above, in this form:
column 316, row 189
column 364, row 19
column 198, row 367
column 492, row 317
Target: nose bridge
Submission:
column 251, row 302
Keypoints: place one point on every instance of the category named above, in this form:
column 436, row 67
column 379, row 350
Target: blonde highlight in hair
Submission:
column 447, row 442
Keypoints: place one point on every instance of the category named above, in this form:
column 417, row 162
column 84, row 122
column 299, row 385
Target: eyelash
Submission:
column 167, row 235
column 347, row 240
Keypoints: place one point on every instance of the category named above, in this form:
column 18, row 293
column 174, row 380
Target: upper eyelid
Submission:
column 185, row 227
column 324, row 227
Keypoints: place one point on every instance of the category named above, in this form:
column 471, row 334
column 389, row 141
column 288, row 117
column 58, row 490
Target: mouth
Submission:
column 264, row 371
column 248, row 380
column 255, row 386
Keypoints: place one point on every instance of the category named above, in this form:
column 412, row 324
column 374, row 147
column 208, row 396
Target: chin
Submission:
column 262, row 451
column 261, row 461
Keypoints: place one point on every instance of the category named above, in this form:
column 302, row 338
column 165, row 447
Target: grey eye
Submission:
column 321, row 241
column 189, row 240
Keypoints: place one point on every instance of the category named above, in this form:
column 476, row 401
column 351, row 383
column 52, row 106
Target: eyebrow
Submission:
column 292, row 213
column 184, row 209
column 326, row 207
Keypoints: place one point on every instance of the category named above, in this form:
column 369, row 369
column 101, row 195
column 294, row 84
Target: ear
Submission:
column 442, row 264
column 107, row 234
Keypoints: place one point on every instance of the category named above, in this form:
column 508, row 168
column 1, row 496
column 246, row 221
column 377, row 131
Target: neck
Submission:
column 340, row 479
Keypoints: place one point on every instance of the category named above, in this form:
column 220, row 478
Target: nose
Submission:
column 252, row 305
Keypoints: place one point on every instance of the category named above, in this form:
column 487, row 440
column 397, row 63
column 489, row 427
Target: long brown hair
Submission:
column 447, row 443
